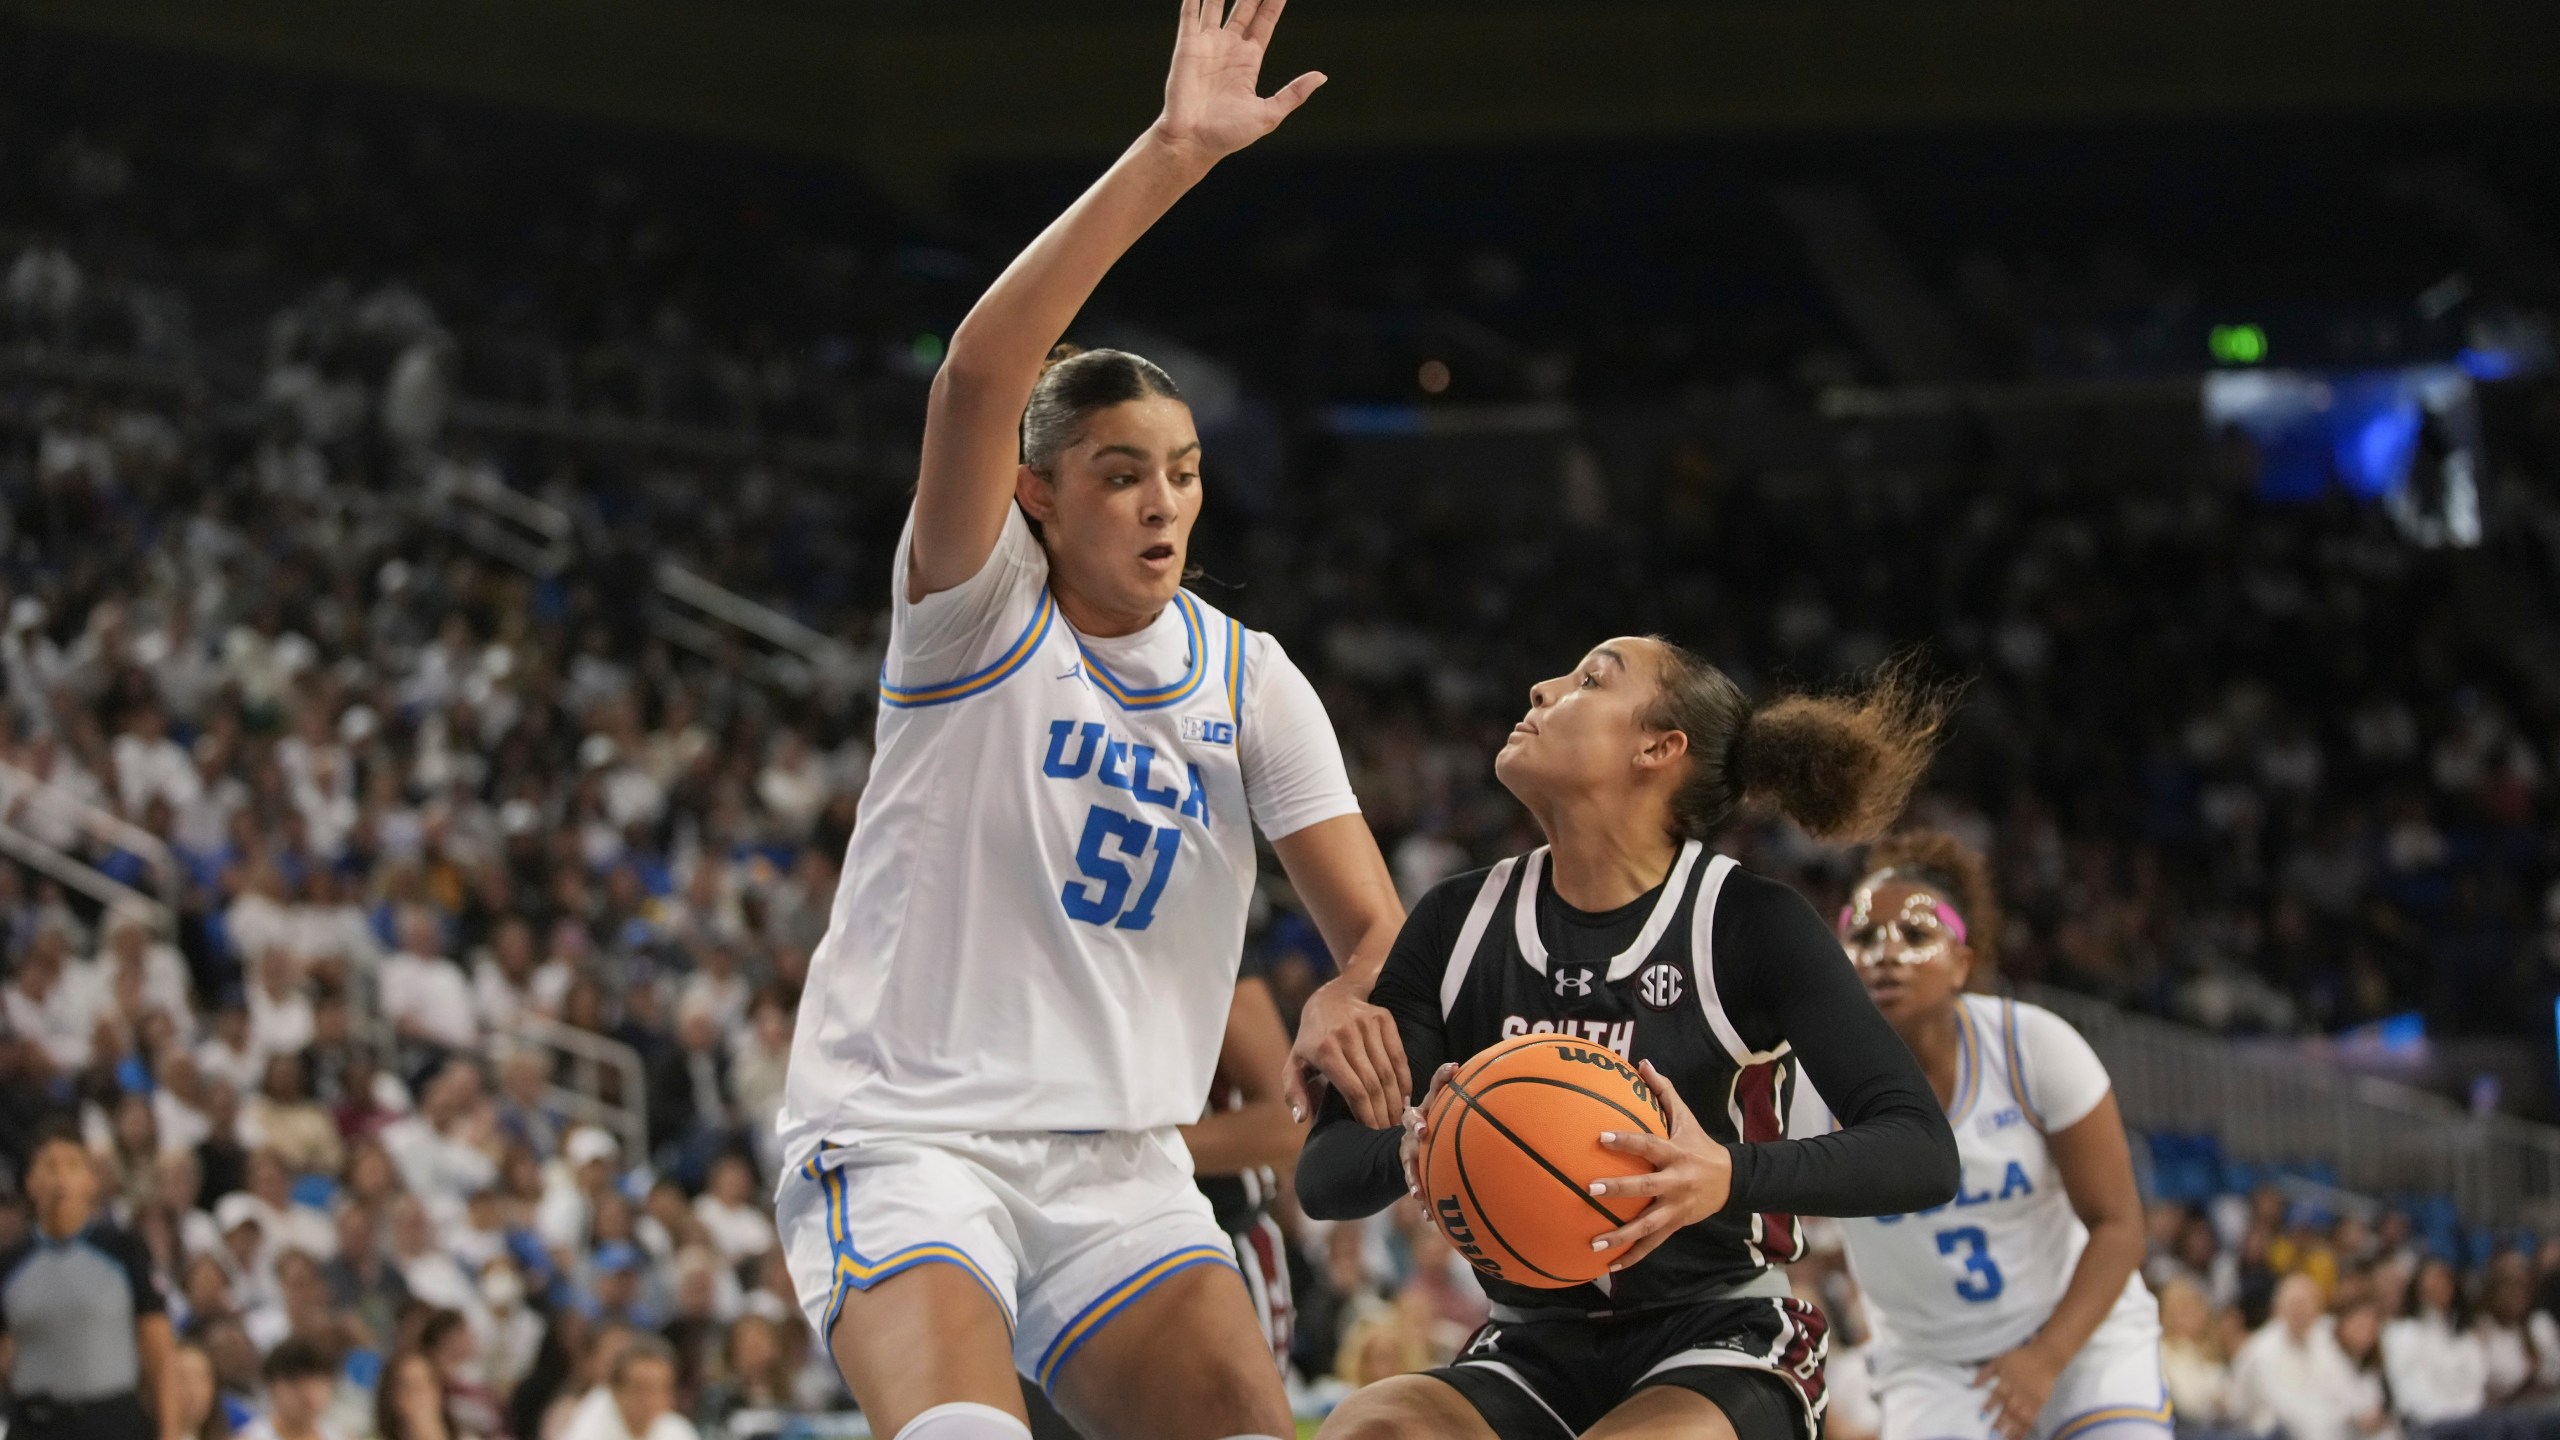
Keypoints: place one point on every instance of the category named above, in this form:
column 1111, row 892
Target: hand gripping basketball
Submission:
column 1691, row 1180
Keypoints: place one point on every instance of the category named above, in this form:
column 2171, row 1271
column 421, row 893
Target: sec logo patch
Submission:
column 1661, row 986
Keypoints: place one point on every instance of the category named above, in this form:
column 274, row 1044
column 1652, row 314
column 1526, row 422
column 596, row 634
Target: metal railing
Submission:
column 21, row 790
column 2381, row 1137
column 588, row 1058
column 73, row 873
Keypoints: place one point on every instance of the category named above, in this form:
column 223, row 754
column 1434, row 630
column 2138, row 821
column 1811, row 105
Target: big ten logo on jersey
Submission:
column 1115, row 846
column 1201, row 730
column 1616, row 1035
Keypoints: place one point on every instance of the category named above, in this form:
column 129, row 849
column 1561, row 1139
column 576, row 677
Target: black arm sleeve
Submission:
column 135, row 1258
column 1346, row 1169
column 1780, row 970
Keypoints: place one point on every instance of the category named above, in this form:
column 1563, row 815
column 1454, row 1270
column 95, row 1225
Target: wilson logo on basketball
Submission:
column 1601, row 1058
column 1462, row 1237
column 1661, row 986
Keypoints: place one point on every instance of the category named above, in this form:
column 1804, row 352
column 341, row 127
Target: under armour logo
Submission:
column 1485, row 1341
column 1660, row 986
column 1573, row 982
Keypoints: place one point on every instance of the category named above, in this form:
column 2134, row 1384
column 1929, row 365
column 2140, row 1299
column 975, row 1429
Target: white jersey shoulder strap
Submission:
column 1471, row 935
column 1702, row 957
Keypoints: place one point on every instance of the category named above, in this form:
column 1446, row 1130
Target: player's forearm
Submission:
column 1890, row 1162
column 1229, row 1141
column 1348, row 1171
column 1001, row 344
column 2115, row 1249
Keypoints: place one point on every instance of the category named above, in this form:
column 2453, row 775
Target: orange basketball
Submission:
column 1514, row 1147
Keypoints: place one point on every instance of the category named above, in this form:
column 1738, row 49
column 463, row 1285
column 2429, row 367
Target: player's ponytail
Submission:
column 1073, row 384
column 1842, row 766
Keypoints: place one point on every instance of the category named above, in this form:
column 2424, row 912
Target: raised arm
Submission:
column 972, row 419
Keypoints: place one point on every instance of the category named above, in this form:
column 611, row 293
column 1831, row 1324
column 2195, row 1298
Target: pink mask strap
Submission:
column 1954, row 922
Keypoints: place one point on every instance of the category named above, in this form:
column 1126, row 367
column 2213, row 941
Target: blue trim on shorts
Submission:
column 1089, row 1321
column 855, row 1271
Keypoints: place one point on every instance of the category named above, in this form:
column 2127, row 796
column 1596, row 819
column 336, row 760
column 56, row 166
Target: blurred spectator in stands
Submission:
column 410, row 1404
column 2358, row 1329
column 642, row 1398
column 2192, row 1364
column 2437, row 1369
column 425, row 996
column 756, row 1372
column 197, row 1407
column 2519, row 1345
column 2292, row 1375
column 301, row 1383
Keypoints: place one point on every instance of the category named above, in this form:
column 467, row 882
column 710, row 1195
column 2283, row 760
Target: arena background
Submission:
column 451, row 453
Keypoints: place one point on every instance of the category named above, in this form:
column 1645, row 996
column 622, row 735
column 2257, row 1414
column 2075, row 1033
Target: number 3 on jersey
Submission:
column 1096, row 899
column 1981, row 1283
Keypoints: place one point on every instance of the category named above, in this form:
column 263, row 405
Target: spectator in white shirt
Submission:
column 425, row 996
column 228, row 1054
column 150, row 765
column 2191, row 1361
column 585, row 1170
column 731, row 1212
column 2437, row 1369
column 446, row 1152
column 280, row 1021
column 289, row 1224
column 330, row 927
column 156, row 970
column 262, row 918
column 512, row 980
column 2292, row 1374
column 642, row 1398
column 2358, row 1329
column 2520, row 1346
column 44, row 1005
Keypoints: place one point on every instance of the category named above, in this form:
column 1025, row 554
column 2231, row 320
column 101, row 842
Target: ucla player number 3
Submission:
column 1112, row 843
column 1981, row 1283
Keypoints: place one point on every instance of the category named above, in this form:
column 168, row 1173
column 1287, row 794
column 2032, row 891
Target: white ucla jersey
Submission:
column 1976, row 1277
column 1043, row 903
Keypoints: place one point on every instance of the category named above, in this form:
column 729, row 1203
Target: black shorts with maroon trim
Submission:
column 1759, row 1360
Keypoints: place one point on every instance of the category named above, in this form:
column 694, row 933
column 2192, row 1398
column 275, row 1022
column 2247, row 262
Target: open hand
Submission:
column 1353, row 1044
column 2020, row 1381
column 1211, row 100
column 1691, row 1180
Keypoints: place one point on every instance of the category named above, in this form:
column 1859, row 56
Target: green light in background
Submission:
column 2237, row 344
column 927, row 351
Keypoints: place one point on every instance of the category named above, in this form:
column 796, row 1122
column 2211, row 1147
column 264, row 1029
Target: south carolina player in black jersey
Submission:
column 1624, row 930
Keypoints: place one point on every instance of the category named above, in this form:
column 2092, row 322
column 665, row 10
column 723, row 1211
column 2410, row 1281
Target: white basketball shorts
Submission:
column 1063, row 1230
column 2111, row 1390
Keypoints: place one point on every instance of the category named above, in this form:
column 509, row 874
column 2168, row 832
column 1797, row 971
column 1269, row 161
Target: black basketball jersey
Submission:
column 1638, row 982
column 1726, row 981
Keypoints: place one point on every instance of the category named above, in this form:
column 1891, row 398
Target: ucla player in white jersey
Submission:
column 1028, row 968
column 2013, row 1311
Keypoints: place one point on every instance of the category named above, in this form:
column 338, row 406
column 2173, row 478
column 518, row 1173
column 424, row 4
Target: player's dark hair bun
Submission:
column 1842, row 766
column 1073, row 384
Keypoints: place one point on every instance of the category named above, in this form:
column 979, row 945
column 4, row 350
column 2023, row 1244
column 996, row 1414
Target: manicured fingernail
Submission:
column 1599, row 1187
column 1614, row 1269
column 1608, row 1137
column 1598, row 1245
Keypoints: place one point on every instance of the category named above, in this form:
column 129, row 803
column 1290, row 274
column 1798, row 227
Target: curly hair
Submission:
column 1841, row 766
column 1956, row 870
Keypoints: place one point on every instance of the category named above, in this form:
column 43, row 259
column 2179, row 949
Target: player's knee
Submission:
column 1381, row 1412
column 964, row 1420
